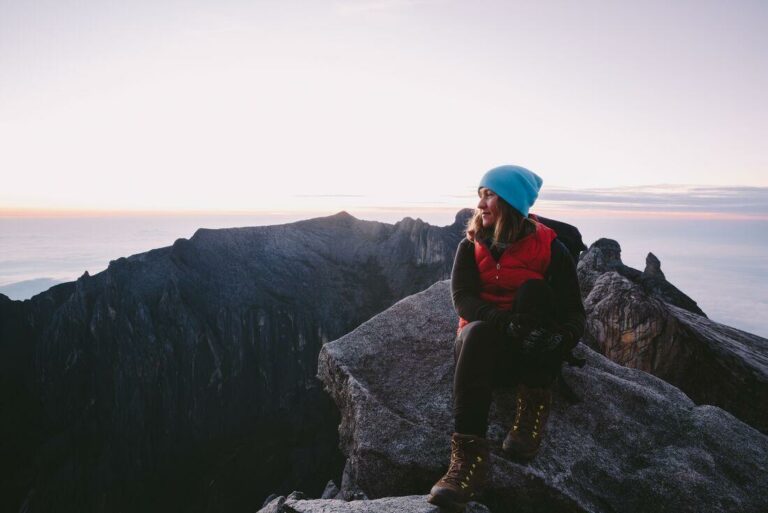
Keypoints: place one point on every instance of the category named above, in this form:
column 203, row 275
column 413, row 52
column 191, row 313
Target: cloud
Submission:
column 742, row 202
column 352, row 7
column 329, row 195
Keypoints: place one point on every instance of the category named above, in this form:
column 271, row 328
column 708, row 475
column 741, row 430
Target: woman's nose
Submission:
column 481, row 203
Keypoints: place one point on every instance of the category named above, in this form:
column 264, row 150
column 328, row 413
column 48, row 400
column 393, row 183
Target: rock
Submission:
column 604, row 255
column 331, row 491
column 350, row 491
column 636, row 327
column 269, row 499
column 653, row 266
column 634, row 443
column 727, row 367
column 275, row 505
column 632, row 328
column 410, row 504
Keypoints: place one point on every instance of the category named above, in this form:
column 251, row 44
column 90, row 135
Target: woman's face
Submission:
column 489, row 205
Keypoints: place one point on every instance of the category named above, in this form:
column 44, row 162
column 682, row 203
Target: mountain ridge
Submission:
column 195, row 363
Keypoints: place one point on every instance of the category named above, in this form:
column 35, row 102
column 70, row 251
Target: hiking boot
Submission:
column 466, row 474
column 524, row 437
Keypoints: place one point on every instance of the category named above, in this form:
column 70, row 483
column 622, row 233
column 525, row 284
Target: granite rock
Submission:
column 634, row 325
column 634, row 443
column 407, row 504
column 604, row 255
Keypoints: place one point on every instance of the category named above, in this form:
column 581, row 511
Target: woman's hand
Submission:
column 547, row 346
column 541, row 341
column 520, row 326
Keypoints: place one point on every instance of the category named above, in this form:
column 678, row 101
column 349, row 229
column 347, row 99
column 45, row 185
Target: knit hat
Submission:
column 514, row 184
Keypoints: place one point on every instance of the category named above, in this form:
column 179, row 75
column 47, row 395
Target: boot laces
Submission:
column 461, row 470
column 528, row 416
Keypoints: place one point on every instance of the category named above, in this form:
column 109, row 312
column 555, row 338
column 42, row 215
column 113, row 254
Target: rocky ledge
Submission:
column 633, row 443
column 640, row 320
column 409, row 504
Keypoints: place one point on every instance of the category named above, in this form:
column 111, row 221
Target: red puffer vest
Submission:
column 523, row 260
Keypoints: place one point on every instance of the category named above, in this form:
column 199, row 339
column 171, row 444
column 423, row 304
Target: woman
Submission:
column 515, row 289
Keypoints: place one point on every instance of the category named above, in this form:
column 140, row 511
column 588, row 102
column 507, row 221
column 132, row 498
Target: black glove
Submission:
column 519, row 326
column 543, row 342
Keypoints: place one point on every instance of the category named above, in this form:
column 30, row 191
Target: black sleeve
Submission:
column 465, row 290
column 569, row 309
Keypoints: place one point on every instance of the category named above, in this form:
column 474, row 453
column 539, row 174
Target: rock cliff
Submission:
column 642, row 321
column 604, row 255
column 634, row 443
column 183, row 378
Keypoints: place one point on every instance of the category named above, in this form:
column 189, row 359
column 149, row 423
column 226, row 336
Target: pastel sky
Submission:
column 289, row 105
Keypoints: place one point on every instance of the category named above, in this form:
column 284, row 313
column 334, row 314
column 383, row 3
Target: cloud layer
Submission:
column 738, row 202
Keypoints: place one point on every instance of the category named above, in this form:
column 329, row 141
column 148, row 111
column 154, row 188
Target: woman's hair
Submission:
column 510, row 225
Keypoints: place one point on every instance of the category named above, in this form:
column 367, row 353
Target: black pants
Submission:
column 486, row 359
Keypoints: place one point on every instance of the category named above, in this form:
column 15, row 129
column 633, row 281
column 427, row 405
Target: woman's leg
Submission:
column 477, row 350
column 475, row 353
column 535, row 303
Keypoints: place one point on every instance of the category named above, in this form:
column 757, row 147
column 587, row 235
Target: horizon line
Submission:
column 545, row 210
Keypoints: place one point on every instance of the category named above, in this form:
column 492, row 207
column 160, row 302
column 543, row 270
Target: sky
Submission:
column 314, row 105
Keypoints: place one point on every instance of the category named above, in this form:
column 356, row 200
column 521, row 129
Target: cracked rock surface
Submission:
column 636, row 320
column 407, row 504
column 633, row 443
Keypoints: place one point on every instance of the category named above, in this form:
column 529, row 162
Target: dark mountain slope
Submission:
column 183, row 378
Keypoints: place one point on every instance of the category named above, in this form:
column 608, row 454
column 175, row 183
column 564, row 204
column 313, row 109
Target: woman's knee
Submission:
column 477, row 336
column 474, row 332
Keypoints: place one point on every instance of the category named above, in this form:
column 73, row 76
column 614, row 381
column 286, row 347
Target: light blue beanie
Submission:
column 516, row 185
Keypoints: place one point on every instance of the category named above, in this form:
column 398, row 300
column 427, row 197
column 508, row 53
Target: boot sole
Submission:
column 518, row 456
column 446, row 504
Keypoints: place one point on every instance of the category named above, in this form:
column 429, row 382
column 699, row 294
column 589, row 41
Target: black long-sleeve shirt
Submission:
column 560, row 275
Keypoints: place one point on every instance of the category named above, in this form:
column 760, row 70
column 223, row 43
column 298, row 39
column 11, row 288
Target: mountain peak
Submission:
column 343, row 214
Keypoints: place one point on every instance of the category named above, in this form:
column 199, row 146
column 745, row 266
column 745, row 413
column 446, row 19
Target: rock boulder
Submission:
column 409, row 504
column 632, row 321
column 634, row 442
